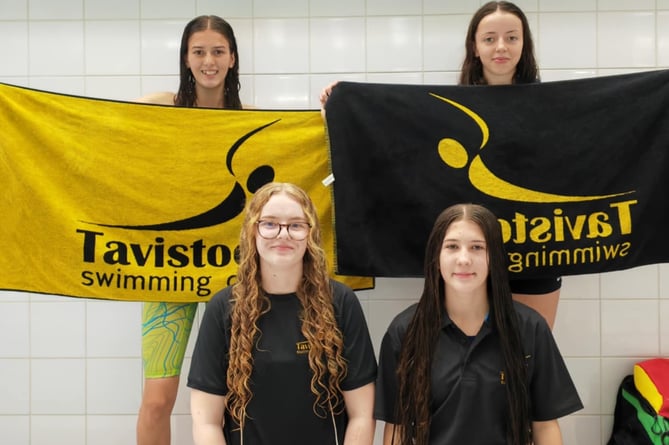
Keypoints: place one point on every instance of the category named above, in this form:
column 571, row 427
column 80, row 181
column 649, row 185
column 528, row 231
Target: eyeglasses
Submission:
column 296, row 230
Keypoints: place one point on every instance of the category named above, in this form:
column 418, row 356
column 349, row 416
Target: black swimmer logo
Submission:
column 454, row 154
column 231, row 206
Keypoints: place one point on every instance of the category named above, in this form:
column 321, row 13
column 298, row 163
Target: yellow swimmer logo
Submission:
column 454, row 154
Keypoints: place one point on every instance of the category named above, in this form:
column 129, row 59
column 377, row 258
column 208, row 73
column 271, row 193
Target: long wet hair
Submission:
column 472, row 68
column 186, row 96
column 314, row 292
column 414, row 398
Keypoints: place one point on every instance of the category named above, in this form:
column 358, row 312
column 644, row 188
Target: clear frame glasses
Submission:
column 297, row 231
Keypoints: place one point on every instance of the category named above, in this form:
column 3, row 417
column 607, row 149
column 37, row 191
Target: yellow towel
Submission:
column 126, row 201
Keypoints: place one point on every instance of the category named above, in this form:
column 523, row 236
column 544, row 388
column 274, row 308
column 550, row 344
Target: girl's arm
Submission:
column 360, row 410
column 207, row 414
column 546, row 433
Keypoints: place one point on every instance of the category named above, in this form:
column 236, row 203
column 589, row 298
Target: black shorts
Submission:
column 536, row 286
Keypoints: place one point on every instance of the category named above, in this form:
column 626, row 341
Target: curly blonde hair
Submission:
column 314, row 292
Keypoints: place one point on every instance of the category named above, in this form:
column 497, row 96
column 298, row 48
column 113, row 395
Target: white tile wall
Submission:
column 45, row 430
column 392, row 44
column 567, row 5
column 586, row 373
column 282, row 92
column 75, row 85
column 72, row 370
column 225, row 8
column 15, row 392
column 244, row 35
column 405, row 77
column 15, row 324
column 582, row 429
column 68, row 396
column 577, row 327
column 525, row 5
column 443, row 46
column 640, row 282
column 274, row 9
column 613, row 371
column 159, row 9
column 111, row 47
column 341, row 8
column 113, row 385
column 664, row 328
column 664, row 280
column 337, row 45
column 630, row 327
column 116, row 10
column 56, row 48
column 14, row 10
column 625, row 5
column 118, row 88
column 49, row 10
column 16, row 429
column 281, row 45
column 112, row 430
column 393, row 7
column 553, row 40
column 14, row 51
column 450, row 7
column 58, row 329
column 159, row 44
column 626, row 39
column 104, row 337
column 663, row 38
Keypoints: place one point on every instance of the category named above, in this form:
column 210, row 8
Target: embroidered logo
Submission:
column 302, row 347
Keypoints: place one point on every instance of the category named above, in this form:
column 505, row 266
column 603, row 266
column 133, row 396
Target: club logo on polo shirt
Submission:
column 502, row 376
column 302, row 347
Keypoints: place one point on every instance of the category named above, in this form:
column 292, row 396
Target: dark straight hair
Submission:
column 472, row 68
column 413, row 413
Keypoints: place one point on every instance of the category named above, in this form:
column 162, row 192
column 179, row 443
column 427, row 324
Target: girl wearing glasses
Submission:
column 467, row 364
column 284, row 355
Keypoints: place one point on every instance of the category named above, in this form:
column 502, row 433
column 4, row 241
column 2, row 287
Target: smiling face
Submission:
column 499, row 45
column 282, row 251
column 209, row 58
column 463, row 260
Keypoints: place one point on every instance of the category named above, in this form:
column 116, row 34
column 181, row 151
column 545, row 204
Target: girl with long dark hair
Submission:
column 467, row 364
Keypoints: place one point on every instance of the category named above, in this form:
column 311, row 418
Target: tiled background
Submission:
column 70, row 369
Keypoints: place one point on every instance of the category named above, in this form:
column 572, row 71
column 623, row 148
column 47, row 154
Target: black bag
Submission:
column 635, row 422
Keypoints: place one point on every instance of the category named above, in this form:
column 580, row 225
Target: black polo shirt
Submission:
column 281, row 410
column 468, row 400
